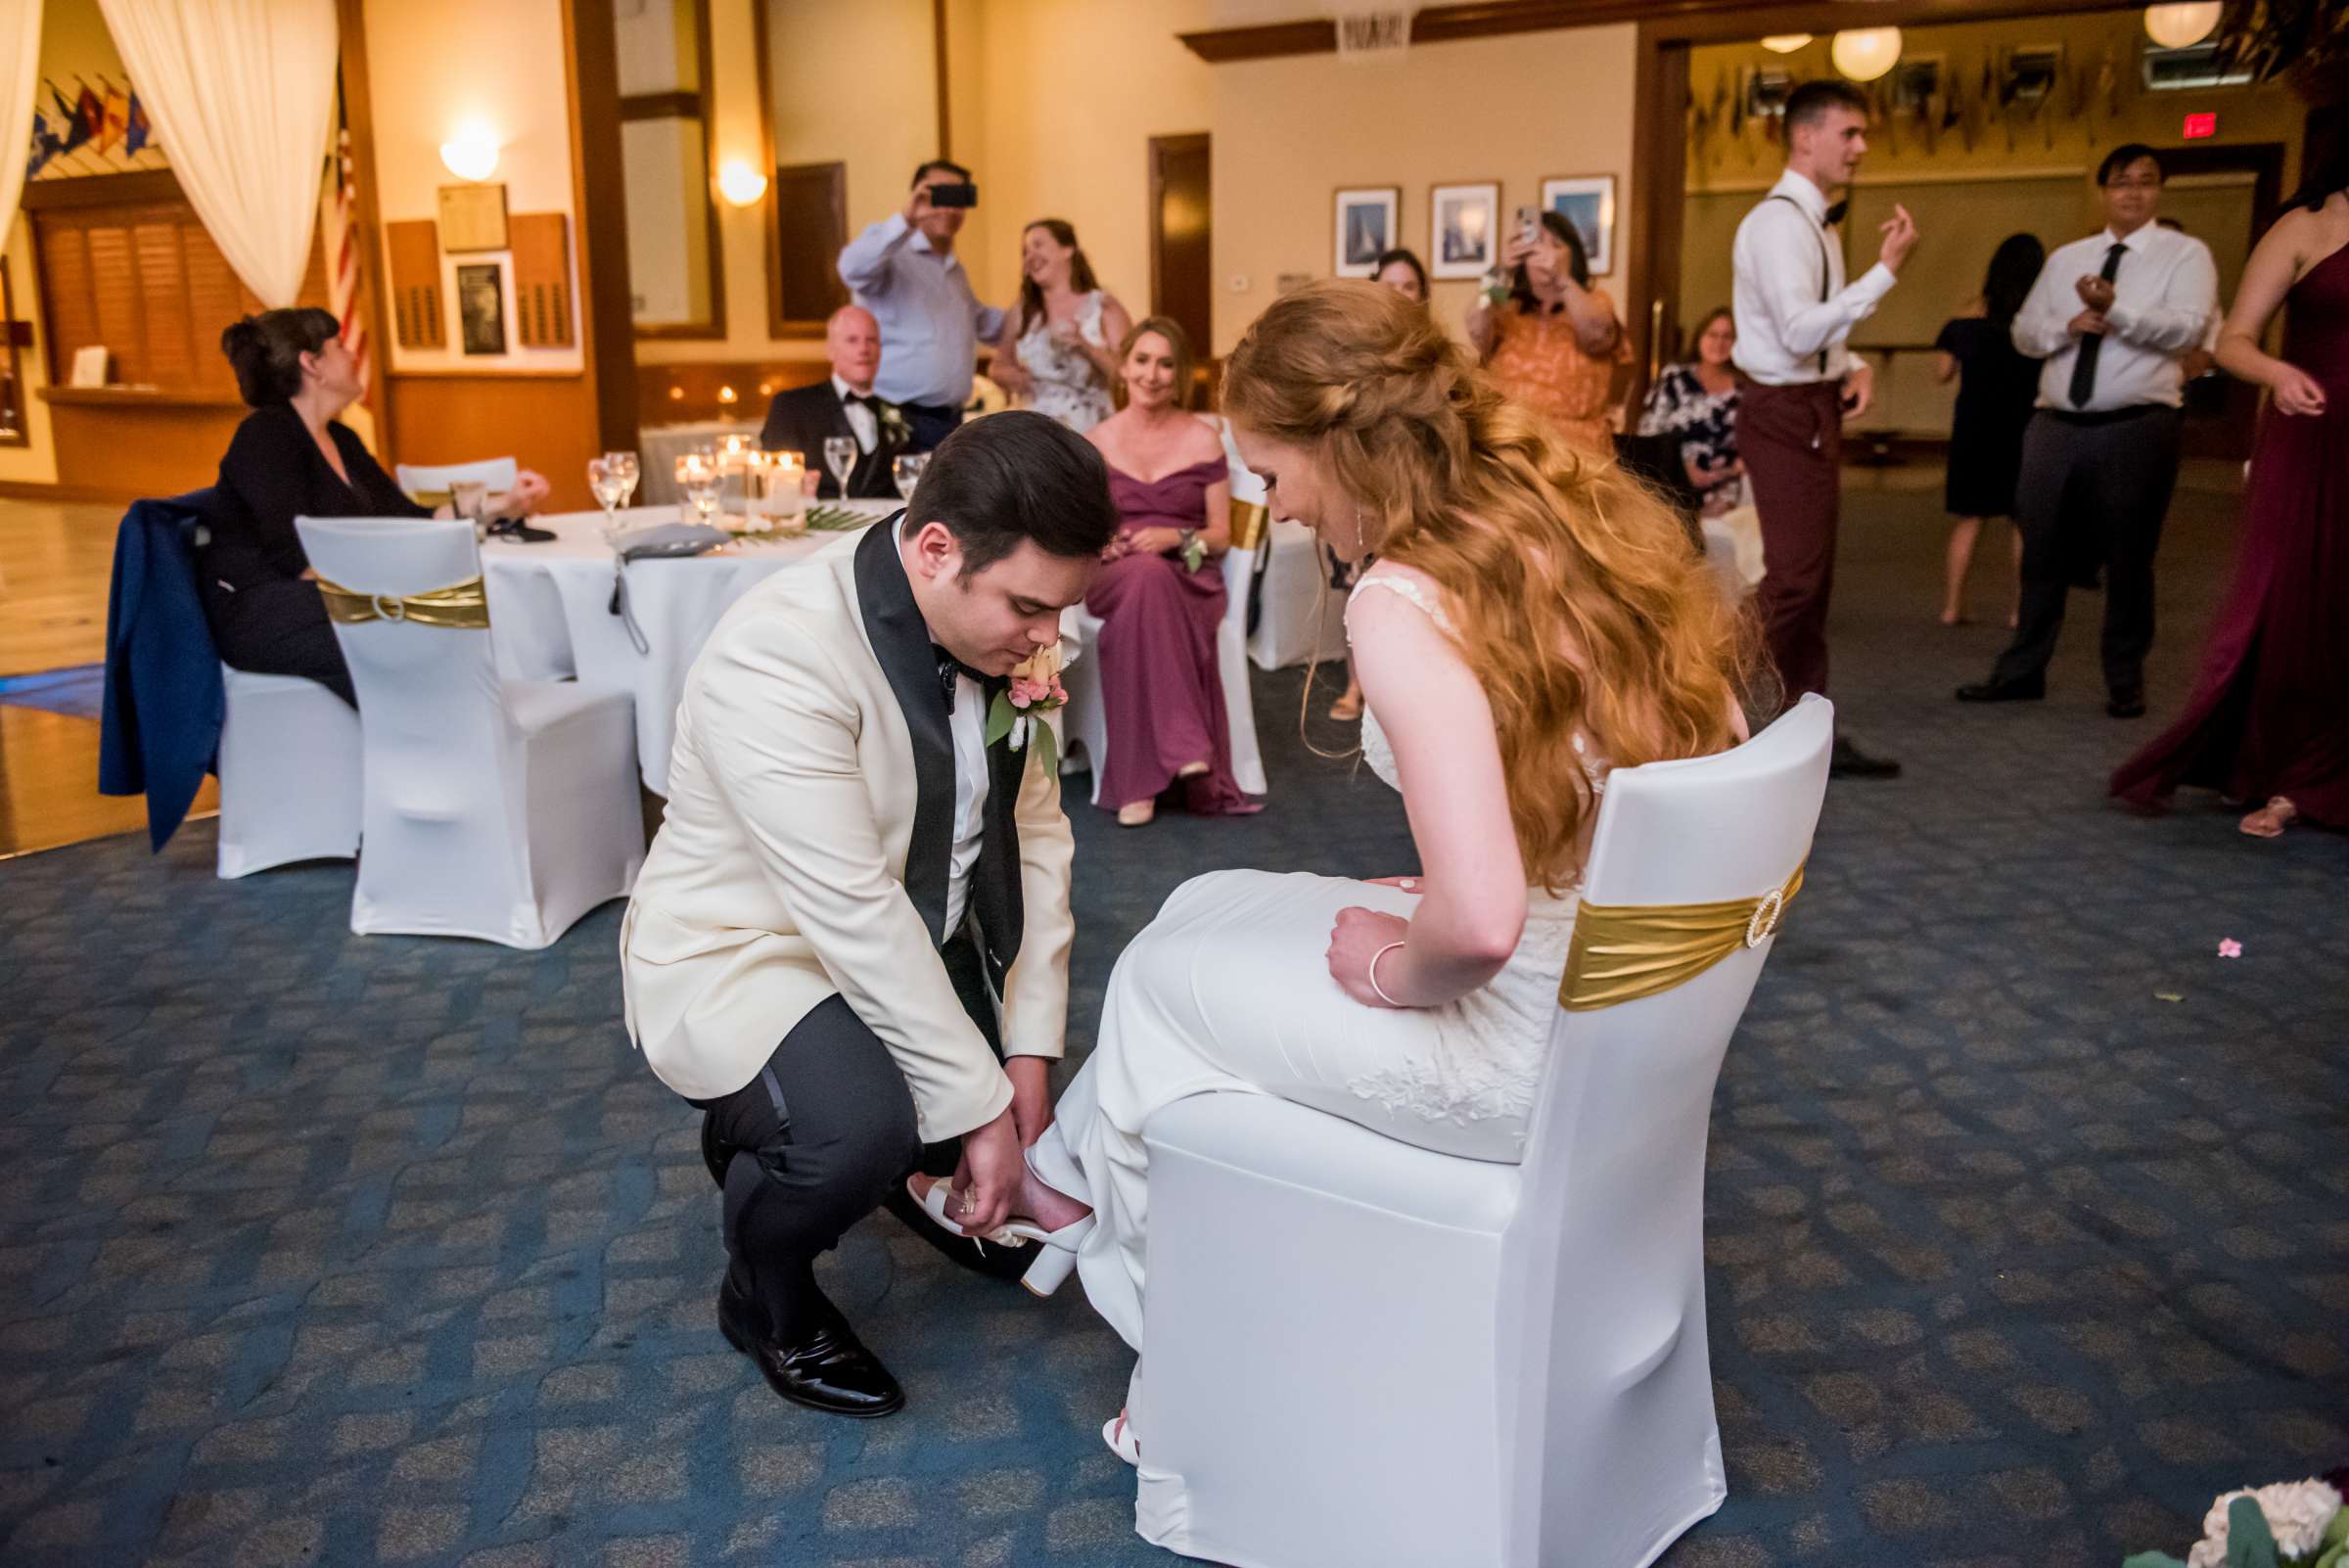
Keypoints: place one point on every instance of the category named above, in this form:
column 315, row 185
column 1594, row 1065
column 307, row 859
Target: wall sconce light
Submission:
column 471, row 154
column 726, row 395
column 1785, row 43
column 1865, row 53
column 739, row 183
column 2177, row 26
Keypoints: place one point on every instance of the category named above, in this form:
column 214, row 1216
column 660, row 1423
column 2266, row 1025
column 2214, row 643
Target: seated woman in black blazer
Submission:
column 291, row 458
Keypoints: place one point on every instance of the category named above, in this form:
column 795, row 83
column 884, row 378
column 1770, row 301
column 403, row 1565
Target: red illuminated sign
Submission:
column 2198, row 126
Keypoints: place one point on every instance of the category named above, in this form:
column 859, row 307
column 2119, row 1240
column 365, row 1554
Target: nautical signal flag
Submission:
column 113, row 117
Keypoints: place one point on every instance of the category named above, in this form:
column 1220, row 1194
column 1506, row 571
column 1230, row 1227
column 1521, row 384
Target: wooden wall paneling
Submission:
column 544, row 422
column 122, row 452
column 684, row 393
column 414, row 249
column 542, row 245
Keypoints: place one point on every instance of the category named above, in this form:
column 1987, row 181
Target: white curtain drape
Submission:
column 21, row 50
column 241, row 93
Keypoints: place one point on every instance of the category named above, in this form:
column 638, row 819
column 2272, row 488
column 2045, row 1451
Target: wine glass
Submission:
column 840, row 456
column 469, row 499
column 698, row 481
column 906, row 472
column 605, row 484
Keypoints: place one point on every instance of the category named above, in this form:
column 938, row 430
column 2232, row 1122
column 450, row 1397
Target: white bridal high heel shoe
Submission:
column 1053, row 1264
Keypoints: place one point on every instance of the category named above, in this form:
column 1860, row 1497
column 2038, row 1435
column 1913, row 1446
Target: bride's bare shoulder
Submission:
column 1388, row 581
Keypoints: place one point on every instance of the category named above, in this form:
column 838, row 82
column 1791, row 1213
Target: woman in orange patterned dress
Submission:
column 1554, row 342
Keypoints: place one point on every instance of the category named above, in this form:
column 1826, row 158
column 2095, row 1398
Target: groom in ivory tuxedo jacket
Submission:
column 851, row 937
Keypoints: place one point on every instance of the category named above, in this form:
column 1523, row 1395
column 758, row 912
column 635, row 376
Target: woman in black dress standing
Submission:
column 291, row 458
column 1996, row 388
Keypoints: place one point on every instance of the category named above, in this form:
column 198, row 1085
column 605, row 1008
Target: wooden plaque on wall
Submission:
column 417, row 321
column 542, row 280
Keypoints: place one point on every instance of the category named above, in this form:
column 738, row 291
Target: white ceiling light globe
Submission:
column 1865, row 53
column 2175, row 26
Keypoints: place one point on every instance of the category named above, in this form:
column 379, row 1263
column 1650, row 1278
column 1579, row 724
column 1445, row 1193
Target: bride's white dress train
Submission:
column 1230, row 990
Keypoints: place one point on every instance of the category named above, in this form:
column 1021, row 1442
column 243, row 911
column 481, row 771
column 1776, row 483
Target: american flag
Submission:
column 339, row 233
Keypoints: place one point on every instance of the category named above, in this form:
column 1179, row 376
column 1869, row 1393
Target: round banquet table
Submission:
column 551, row 618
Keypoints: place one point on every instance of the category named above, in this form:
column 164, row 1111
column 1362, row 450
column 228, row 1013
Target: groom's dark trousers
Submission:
column 814, row 1142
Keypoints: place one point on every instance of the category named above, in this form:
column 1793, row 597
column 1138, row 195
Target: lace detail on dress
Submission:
column 1410, row 588
column 1068, row 386
column 1491, row 1044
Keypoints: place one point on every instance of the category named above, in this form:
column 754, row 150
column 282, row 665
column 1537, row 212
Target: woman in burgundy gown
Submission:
column 2269, row 718
column 1161, row 595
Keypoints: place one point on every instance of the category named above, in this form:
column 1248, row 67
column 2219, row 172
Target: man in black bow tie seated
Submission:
column 850, row 941
column 843, row 404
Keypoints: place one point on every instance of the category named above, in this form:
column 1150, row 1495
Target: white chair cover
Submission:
column 289, row 770
column 1088, row 727
column 497, row 809
column 498, row 473
column 1357, row 1353
column 1298, row 615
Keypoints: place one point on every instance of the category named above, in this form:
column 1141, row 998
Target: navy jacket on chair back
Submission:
column 160, row 728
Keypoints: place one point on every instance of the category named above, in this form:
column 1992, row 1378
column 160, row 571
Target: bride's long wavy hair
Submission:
column 1575, row 596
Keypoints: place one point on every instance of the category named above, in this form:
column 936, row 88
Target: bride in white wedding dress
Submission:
column 1535, row 618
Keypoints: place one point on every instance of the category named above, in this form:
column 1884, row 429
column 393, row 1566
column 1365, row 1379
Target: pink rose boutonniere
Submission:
column 1019, row 712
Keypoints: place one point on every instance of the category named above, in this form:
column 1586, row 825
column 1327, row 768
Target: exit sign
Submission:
column 2198, row 126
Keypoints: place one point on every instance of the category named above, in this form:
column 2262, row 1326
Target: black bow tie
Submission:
column 949, row 667
column 867, row 399
column 1836, row 211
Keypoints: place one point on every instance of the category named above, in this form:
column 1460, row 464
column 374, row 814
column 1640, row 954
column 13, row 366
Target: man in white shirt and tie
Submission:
column 1794, row 311
column 802, row 418
column 904, row 270
column 2114, row 316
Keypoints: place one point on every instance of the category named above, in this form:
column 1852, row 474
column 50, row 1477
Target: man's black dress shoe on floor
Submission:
column 2029, row 689
column 2126, row 704
column 829, row 1370
column 1849, row 761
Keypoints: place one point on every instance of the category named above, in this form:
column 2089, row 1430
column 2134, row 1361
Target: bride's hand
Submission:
column 1357, row 938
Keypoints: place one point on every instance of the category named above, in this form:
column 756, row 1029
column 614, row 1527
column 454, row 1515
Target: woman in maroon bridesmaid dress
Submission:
column 2269, row 718
column 1161, row 595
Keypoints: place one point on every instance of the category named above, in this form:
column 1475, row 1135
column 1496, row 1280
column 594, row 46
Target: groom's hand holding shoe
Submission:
column 990, row 1175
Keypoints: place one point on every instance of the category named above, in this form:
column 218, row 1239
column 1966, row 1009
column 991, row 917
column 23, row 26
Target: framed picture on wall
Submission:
column 1587, row 202
column 1463, row 227
column 1367, row 219
column 482, row 307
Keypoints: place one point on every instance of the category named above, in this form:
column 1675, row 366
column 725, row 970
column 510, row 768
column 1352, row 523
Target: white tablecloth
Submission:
column 550, row 613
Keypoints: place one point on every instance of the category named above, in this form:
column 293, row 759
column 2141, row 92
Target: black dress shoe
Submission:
column 2129, row 704
column 829, row 1370
column 997, row 1262
column 2027, row 689
column 1849, row 761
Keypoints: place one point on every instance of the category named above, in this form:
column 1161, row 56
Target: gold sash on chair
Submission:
column 464, row 604
column 1247, row 524
column 1625, row 951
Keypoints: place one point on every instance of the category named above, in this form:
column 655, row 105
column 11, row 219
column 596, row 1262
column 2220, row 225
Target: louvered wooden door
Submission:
column 145, row 281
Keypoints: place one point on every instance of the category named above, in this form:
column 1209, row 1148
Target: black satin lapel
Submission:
column 997, row 896
column 901, row 641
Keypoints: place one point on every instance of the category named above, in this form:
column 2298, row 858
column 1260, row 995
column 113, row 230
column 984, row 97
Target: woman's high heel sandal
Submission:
column 1053, row 1264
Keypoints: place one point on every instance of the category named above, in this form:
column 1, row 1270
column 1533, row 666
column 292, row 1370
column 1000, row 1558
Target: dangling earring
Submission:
column 1360, row 544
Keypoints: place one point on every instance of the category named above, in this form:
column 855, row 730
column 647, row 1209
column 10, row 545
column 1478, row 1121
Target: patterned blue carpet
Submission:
column 2029, row 1214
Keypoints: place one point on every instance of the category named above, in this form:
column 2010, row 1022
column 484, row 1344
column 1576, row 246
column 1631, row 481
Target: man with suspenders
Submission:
column 1793, row 313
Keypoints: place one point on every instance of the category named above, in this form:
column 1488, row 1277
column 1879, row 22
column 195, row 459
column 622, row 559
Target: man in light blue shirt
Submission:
column 904, row 270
